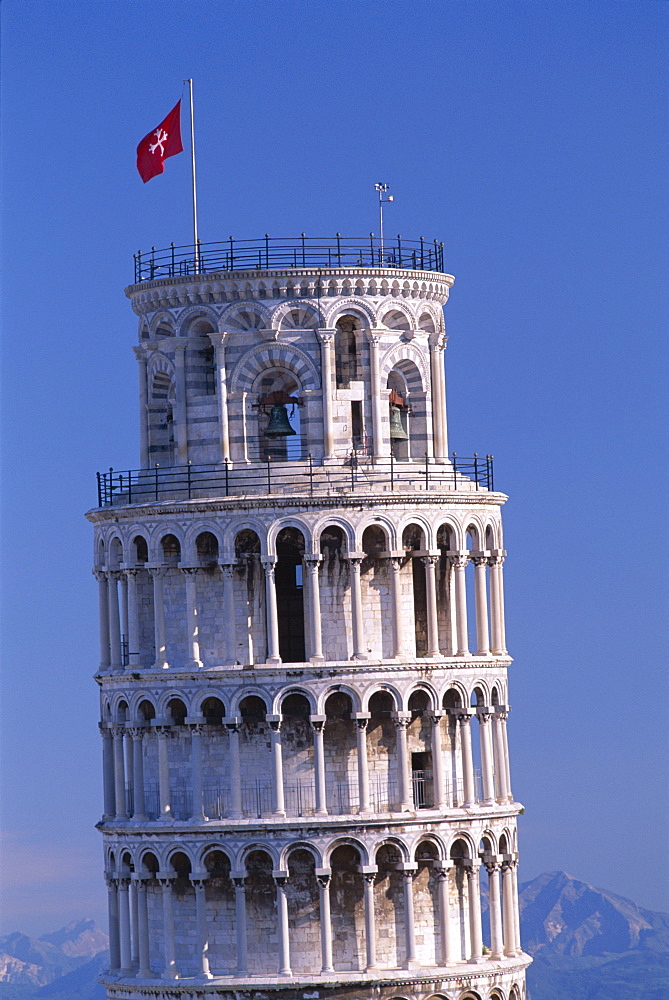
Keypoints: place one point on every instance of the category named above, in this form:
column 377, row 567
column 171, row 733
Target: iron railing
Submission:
column 187, row 482
column 302, row 251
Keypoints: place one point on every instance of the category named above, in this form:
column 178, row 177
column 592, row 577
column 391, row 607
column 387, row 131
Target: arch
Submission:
column 401, row 353
column 383, row 688
column 289, row 692
column 141, row 547
column 281, row 524
column 392, row 842
column 353, row 842
column 295, row 315
column 377, row 520
column 245, row 316
column 282, row 357
column 164, row 321
column 212, row 709
column 144, row 710
column 171, row 549
column 300, row 845
column 206, row 547
column 343, row 689
column 426, row 689
column 354, row 306
column 397, row 319
column 190, row 317
column 427, row 322
column 320, row 529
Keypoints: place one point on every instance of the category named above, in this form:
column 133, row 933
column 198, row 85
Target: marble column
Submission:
column 227, row 570
column 469, row 790
column 114, row 622
column 459, row 562
column 402, row 721
column 239, row 882
column 198, row 881
column 516, row 907
column 113, row 920
column 312, row 564
column 361, row 720
column 181, row 414
column 119, row 772
column 435, row 718
column 317, row 725
column 158, row 575
column 449, row 953
column 408, row 872
column 396, row 597
column 133, row 620
column 123, row 585
column 136, row 734
column 355, row 559
column 437, row 428
column 277, row 764
column 143, row 408
column 103, row 615
column 144, row 971
column 164, row 791
column 487, row 772
column 281, row 878
column 272, row 617
column 495, row 910
column 233, row 727
column 509, row 929
column 498, row 643
column 222, row 386
column 170, row 970
column 430, row 563
column 374, row 339
column 124, row 924
column 369, row 876
column 505, row 745
column 134, row 920
column 480, row 590
column 192, row 628
column 474, row 900
column 108, row 775
column 326, row 338
column 502, row 792
column 323, row 876
column 197, row 730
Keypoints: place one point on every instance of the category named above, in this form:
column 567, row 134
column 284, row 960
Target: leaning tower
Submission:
column 303, row 670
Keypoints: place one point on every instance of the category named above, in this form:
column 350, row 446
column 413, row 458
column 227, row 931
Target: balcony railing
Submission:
column 277, row 252
column 188, row 482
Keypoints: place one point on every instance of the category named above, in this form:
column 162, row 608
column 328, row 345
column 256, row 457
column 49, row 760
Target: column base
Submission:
column 273, row 661
column 170, row 975
column 317, row 659
column 194, row 665
column 145, row 974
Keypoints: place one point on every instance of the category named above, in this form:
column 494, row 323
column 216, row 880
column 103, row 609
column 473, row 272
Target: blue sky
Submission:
column 524, row 135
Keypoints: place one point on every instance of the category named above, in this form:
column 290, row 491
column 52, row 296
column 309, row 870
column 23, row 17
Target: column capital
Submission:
column 280, row 876
column 269, row 562
column 199, row 879
column 323, row 876
column 166, row 878
column 190, row 570
column 233, row 724
column 111, row 880
column 100, row 575
column 374, row 337
column 313, row 561
column 431, row 559
column 158, row 570
column 435, row 716
column 459, row 559
column 136, row 729
column 326, row 335
column 141, row 878
column 238, row 879
column 401, row 719
column 369, row 873
column 317, row 722
column 274, row 722
column 356, row 557
column 480, row 558
column 437, row 341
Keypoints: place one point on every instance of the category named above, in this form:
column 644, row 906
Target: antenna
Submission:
column 382, row 189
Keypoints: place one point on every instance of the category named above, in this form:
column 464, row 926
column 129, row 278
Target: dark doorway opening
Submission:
column 290, row 595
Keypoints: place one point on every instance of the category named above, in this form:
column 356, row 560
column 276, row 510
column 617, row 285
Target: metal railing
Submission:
column 186, row 482
column 302, row 251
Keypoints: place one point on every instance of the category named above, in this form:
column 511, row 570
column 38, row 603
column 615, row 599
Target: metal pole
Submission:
column 196, row 241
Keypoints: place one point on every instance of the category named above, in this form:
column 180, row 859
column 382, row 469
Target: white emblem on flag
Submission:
column 161, row 136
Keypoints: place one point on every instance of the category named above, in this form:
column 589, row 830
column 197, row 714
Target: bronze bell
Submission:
column 279, row 424
column 397, row 432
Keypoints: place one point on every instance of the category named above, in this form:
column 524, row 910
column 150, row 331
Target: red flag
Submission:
column 162, row 142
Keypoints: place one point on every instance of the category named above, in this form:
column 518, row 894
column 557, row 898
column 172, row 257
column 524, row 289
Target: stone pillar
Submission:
column 474, row 899
column 113, row 920
column 277, row 765
column 508, row 908
column 229, row 613
column 222, row 385
column 280, row 878
column 196, row 732
column 497, row 602
column 123, row 583
column 437, row 760
column 143, row 409
column 485, row 736
column 396, row 596
column 369, row 875
column 124, row 924
column 505, row 744
column 502, row 792
column 430, row 562
column 144, row 971
column 323, row 876
column 405, row 784
column 103, row 614
column 133, row 620
column 408, row 870
column 170, row 970
column 136, row 734
column 134, row 920
column 361, row 720
column 355, row 559
column 114, row 622
column 480, row 590
column 108, row 775
column 239, row 883
column 374, row 340
column 449, row 954
column 271, row 614
column 516, row 907
column 464, row 718
column 157, row 574
column 317, row 724
column 437, row 426
column 496, row 947
column 164, row 791
column 181, row 415
column 312, row 564
column 459, row 562
column 119, row 772
column 192, row 630
column 233, row 726
column 198, row 880
column 326, row 338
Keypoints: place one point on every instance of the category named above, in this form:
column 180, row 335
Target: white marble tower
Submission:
column 303, row 668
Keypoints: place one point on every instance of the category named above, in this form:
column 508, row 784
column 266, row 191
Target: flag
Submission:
column 162, row 142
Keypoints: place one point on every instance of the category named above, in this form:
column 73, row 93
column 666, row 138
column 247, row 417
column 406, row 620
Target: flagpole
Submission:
column 196, row 241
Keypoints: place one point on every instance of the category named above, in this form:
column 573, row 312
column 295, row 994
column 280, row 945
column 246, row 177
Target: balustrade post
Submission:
column 369, row 876
column 323, row 876
column 239, row 882
column 402, row 721
column 170, row 970
column 198, row 881
column 277, row 762
column 317, row 725
column 281, row 878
